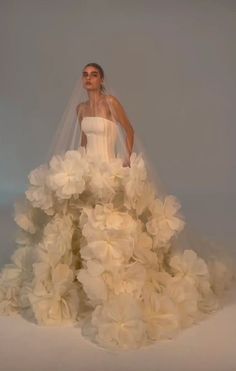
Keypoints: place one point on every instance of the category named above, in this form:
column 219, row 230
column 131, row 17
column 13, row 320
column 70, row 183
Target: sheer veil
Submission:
column 68, row 137
column 68, row 133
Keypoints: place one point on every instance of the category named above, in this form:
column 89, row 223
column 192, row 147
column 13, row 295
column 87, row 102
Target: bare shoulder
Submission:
column 114, row 102
column 120, row 113
column 112, row 99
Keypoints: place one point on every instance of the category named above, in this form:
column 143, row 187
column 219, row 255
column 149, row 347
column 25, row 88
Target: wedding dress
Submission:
column 97, row 247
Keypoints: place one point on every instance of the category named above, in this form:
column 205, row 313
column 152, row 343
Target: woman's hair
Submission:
column 101, row 72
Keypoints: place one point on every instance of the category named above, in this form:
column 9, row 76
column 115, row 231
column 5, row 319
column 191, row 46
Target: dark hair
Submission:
column 101, row 72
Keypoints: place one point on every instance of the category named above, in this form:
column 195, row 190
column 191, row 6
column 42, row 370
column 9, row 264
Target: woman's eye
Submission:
column 85, row 74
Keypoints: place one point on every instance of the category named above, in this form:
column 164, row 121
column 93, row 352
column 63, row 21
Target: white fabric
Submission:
column 97, row 246
column 101, row 136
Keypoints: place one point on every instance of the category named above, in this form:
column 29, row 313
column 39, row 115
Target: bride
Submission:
column 102, row 106
column 100, row 245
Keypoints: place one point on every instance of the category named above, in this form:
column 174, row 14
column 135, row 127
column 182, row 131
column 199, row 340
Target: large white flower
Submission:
column 134, row 180
column 155, row 280
column 164, row 222
column 9, row 300
column 105, row 179
column 62, row 278
column 20, row 270
column 189, row 266
column 106, row 217
column 111, row 253
column 67, row 175
column 143, row 252
column 61, row 304
column 119, row 323
column 103, row 222
column 56, row 243
column 38, row 193
column 42, row 276
column 93, row 282
column 129, row 279
column 186, row 296
column 14, row 279
column 190, row 286
column 24, row 216
column 161, row 316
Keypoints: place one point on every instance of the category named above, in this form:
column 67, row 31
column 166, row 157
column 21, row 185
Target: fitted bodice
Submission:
column 101, row 136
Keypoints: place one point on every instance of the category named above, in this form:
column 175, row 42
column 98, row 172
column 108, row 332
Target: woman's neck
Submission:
column 94, row 97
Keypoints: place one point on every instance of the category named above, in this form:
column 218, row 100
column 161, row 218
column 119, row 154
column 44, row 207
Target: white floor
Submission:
column 207, row 346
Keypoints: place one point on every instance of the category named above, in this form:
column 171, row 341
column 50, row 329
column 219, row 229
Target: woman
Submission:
column 100, row 105
column 98, row 241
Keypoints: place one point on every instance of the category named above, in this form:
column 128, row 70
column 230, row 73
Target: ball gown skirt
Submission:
column 97, row 247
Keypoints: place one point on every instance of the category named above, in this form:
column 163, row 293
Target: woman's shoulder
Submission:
column 112, row 98
column 114, row 101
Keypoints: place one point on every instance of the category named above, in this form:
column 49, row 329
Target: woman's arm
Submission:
column 122, row 118
column 80, row 116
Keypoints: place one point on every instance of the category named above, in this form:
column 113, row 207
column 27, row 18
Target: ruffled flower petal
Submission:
column 67, row 175
column 119, row 323
column 38, row 193
column 93, row 282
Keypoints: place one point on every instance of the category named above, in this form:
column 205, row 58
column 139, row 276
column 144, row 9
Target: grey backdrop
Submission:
column 172, row 64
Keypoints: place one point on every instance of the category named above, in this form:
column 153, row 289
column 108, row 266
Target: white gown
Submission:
column 96, row 247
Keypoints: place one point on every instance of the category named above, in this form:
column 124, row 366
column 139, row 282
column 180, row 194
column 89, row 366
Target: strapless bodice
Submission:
column 101, row 136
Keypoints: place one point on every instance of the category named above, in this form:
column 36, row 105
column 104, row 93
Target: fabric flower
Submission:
column 93, row 282
column 111, row 253
column 105, row 223
column 24, row 216
column 67, row 175
column 38, row 193
column 119, row 323
column 56, row 244
column 192, row 283
column 106, row 217
column 186, row 297
column 105, row 179
column 42, row 276
column 134, row 181
column 143, row 252
column 164, row 222
column 155, row 280
column 129, row 279
column 189, row 266
column 61, row 304
column 161, row 316
column 15, row 278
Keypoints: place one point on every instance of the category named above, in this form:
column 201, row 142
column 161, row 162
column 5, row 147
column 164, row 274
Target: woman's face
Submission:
column 91, row 78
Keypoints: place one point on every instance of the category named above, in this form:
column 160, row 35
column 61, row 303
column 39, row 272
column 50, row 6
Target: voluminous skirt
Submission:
column 97, row 246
